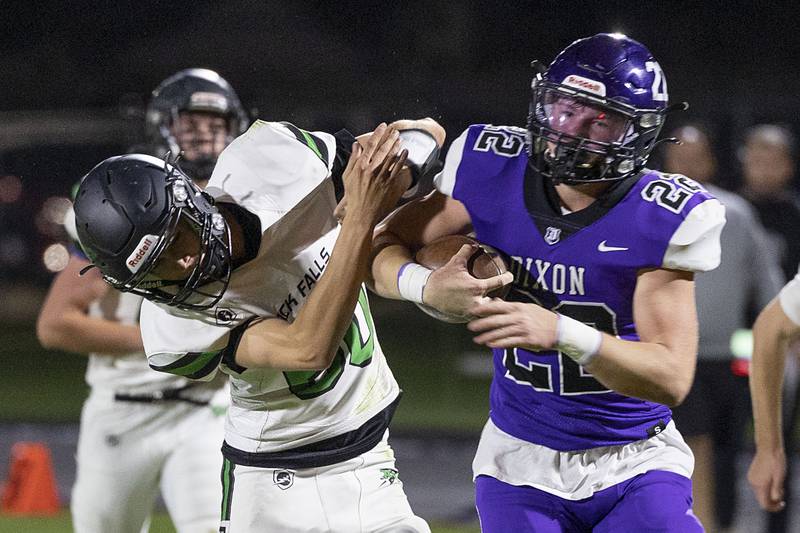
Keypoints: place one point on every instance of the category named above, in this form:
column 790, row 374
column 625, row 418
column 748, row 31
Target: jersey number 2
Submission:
column 574, row 379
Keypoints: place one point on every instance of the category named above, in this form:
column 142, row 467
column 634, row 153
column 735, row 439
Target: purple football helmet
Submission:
column 596, row 111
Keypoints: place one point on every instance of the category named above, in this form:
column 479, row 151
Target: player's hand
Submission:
column 371, row 183
column 453, row 290
column 502, row 324
column 766, row 475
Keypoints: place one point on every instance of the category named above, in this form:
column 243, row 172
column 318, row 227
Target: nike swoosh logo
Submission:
column 603, row 247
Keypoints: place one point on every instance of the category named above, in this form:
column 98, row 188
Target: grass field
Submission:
column 160, row 524
column 41, row 385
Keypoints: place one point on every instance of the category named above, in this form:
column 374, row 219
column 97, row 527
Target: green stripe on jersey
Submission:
column 316, row 144
column 193, row 364
column 311, row 144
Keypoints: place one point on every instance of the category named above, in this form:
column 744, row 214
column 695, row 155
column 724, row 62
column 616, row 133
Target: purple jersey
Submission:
column 583, row 265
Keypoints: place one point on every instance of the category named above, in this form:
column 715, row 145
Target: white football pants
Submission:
column 361, row 495
column 127, row 450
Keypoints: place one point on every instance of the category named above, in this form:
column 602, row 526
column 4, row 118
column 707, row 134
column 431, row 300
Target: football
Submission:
column 484, row 262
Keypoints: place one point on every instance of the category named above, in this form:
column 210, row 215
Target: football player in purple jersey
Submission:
column 598, row 336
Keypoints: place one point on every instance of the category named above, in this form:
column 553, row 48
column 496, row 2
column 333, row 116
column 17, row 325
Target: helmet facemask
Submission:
column 199, row 137
column 193, row 91
column 617, row 147
column 210, row 274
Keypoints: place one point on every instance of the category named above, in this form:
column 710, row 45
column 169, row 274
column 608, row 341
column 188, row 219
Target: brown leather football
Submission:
column 485, row 261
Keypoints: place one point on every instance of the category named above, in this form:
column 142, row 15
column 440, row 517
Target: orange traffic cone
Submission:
column 31, row 486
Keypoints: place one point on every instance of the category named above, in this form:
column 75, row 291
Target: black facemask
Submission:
column 199, row 169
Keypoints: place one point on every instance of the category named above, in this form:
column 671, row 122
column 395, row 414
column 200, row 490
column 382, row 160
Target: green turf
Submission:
column 160, row 524
column 424, row 355
column 62, row 523
column 41, row 385
column 37, row 384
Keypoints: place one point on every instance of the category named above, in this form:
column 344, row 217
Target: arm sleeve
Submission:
column 182, row 346
column 445, row 181
column 790, row 299
column 201, row 366
column 695, row 245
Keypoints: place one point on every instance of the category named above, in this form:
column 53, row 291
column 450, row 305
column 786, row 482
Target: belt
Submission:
column 323, row 453
column 163, row 395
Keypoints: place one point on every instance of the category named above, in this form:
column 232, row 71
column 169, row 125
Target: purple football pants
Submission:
column 656, row 501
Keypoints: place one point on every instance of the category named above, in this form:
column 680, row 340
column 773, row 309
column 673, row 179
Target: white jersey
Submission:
column 280, row 174
column 129, row 373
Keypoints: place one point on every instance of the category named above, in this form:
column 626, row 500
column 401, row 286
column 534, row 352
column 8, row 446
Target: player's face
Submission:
column 578, row 118
column 180, row 256
column 766, row 166
column 200, row 135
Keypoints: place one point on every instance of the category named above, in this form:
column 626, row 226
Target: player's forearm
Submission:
column 766, row 377
column 645, row 370
column 311, row 341
column 408, row 229
column 79, row 333
column 390, row 257
column 327, row 314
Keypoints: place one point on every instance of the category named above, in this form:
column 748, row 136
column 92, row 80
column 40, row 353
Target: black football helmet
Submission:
column 194, row 89
column 127, row 209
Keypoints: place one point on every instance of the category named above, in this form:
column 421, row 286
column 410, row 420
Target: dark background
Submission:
column 74, row 76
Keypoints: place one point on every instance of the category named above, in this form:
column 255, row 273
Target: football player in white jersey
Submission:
column 256, row 277
column 142, row 429
column 776, row 326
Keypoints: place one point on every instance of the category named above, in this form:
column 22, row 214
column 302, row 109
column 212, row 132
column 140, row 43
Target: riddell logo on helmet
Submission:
column 142, row 252
column 585, row 84
column 208, row 101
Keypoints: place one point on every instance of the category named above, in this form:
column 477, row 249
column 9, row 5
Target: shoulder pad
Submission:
column 273, row 160
column 494, row 145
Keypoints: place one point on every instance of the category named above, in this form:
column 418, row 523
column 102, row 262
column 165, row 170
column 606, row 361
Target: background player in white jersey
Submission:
column 776, row 326
column 236, row 282
column 140, row 429
column 599, row 334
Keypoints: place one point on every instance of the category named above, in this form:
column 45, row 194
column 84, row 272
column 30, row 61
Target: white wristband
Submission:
column 577, row 340
column 411, row 280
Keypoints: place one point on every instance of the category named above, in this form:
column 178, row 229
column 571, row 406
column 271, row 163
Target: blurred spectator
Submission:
column 768, row 159
column 768, row 167
column 714, row 415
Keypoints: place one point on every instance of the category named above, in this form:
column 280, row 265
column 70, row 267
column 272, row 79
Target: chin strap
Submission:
column 679, row 106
